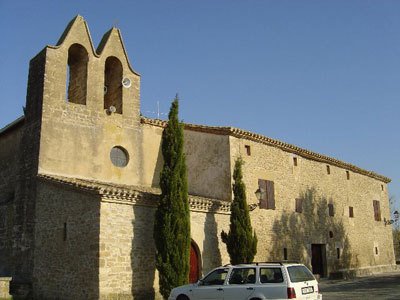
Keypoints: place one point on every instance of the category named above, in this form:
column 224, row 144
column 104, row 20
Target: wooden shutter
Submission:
column 270, row 195
column 262, row 185
column 377, row 210
column 299, row 205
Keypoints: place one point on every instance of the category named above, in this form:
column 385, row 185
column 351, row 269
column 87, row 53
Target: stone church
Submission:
column 79, row 183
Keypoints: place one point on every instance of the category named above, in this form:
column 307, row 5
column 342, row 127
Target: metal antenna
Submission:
column 158, row 112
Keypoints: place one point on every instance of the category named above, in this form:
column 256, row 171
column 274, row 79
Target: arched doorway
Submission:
column 195, row 263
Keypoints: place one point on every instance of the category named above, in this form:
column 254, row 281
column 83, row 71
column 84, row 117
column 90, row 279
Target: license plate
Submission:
column 307, row 290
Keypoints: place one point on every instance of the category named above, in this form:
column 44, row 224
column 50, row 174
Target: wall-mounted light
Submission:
column 259, row 195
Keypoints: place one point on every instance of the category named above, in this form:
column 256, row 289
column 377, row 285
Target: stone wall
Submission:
column 207, row 161
column 208, row 165
column 127, row 251
column 9, row 150
column 357, row 238
column 67, row 233
column 24, row 203
column 127, row 264
column 206, row 228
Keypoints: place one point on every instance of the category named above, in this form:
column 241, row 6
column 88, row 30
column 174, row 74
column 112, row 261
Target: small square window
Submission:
column 295, row 161
column 328, row 169
column 348, row 175
column 351, row 212
column 331, row 210
column 299, row 205
column 248, row 150
column 65, row 232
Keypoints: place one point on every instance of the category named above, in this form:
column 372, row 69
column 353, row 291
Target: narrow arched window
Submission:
column 113, row 84
column 77, row 74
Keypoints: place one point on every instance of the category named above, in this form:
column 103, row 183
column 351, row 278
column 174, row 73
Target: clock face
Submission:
column 126, row 82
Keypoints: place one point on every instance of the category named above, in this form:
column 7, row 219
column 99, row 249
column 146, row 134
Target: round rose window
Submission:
column 119, row 156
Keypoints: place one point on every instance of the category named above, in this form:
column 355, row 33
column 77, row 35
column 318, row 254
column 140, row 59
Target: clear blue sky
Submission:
column 323, row 75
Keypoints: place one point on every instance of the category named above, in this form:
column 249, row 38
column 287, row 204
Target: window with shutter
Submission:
column 299, row 205
column 331, row 210
column 267, row 200
column 262, row 185
column 270, row 194
column 377, row 210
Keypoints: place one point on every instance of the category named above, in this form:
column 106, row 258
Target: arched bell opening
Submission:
column 77, row 74
column 113, row 85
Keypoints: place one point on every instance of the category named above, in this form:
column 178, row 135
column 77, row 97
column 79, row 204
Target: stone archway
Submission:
column 195, row 263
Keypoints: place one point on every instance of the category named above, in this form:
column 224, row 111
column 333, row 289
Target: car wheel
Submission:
column 182, row 297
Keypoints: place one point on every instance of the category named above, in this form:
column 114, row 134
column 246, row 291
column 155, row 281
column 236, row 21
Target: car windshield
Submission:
column 300, row 273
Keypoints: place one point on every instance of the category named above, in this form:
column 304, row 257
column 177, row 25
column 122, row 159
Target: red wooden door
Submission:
column 194, row 265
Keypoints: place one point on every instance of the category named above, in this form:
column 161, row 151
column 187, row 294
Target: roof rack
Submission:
column 281, row 262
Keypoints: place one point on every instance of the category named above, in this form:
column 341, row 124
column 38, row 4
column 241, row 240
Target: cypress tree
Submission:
column 241, row 241
column 172, row 217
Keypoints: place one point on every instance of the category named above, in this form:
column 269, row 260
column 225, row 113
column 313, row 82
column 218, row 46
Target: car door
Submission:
column 241, row 284
column 211, row 287
column 272, row 283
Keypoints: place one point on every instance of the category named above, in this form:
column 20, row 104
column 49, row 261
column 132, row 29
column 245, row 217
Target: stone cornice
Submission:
column 243, row 134
column 133, row 195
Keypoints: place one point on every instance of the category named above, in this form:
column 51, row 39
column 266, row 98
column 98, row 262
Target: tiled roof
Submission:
column 243, row 134
column 138, row 195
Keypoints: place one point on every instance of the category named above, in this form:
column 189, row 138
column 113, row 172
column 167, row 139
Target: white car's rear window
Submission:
column 300, row 273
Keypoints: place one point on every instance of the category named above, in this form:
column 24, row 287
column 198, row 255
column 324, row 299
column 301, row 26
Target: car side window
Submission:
column 271, row 275
column 217, row 277
column 243, row 276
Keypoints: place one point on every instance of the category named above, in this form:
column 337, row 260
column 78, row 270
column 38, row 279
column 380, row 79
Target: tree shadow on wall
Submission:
column 143, row 254
column 298, row 231
column 211, row 252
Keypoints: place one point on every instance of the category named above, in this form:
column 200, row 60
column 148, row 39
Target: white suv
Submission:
column 256, row 281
